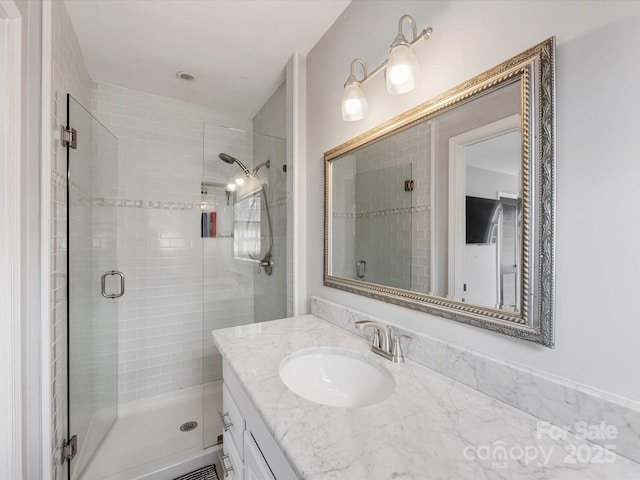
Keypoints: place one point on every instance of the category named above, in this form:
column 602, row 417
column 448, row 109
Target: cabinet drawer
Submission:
column 234, row 419
column 231, row 462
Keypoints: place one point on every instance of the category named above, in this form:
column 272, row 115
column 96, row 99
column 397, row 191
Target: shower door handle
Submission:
column 103, row 282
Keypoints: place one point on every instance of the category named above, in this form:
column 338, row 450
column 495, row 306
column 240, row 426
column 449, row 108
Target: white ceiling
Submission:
column 237, row 49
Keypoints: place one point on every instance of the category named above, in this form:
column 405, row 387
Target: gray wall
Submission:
column 597, row 169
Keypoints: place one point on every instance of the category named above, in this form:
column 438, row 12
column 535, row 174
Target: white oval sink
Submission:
column 335, row 377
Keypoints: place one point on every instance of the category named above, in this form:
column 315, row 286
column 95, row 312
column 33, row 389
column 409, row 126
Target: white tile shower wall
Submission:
column 383, row 225
column 81, row 295
column 271, row 119
column 104, row 243
column 269, row 126
column 228, row 283
column 69, row 75
column 160, row 248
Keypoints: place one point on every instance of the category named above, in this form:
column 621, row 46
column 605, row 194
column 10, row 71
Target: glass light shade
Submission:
column 231, row 187
column 354, row 103
column 403, row 72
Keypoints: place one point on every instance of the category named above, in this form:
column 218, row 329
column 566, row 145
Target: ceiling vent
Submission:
column 186, row 76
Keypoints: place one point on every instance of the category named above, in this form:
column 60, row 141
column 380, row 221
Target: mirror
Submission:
column 449, row 207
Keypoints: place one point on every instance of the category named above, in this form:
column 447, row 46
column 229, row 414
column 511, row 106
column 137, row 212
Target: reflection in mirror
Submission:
column 484, row 158
column 382, row 198
column 372, row 215
column 492, row 212
column 437, row 209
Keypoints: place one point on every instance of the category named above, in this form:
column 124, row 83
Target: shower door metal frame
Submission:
column 70, row 445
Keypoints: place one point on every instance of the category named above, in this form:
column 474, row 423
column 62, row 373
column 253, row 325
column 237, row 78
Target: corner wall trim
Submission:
column 11, row 411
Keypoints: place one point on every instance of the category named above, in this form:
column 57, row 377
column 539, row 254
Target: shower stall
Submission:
column 151, row 274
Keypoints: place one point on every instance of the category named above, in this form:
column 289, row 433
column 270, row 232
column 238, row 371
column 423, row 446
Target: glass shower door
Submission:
column 94, row 283
column 251, row 223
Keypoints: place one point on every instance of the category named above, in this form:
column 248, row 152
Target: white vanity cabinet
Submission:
column 250, row 452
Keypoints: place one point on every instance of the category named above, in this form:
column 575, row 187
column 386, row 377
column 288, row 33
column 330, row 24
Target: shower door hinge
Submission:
column 69, row 136
column 69, row 449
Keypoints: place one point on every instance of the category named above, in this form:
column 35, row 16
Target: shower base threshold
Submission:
column 172, row 467
column 146, row 442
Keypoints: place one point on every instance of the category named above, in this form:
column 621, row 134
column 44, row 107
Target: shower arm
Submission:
column 263, row 164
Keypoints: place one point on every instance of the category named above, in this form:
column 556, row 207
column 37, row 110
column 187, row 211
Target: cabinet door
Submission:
column 255, row 466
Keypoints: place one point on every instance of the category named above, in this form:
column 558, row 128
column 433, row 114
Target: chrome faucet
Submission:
column 384, row 343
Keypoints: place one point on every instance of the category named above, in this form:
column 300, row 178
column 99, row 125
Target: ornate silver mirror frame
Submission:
column 534, row 321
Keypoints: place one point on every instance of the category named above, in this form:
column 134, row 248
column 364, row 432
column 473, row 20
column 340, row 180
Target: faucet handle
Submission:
column 398, row 355
column 376, row 330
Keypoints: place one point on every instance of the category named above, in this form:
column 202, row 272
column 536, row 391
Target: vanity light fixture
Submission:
column 401, row 71
column 354, row 101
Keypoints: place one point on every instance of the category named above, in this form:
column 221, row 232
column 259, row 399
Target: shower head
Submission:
column 227, row 158
column 231, row 160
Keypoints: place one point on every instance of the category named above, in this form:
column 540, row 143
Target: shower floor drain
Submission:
column 188, row 426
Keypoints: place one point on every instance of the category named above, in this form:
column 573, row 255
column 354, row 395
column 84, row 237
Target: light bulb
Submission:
column 353, row 106
column 403, row 72
column 399, row 74
column 231, row 187
column 239, row 181
column 354, row 102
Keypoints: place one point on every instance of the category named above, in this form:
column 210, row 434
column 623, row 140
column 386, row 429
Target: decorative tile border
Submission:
column 553, row 399
column 157, row 205
column 278, row 202
column 381, row 213
column 153, row 204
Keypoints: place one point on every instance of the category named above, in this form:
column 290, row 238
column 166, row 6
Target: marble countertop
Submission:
column 431, row 427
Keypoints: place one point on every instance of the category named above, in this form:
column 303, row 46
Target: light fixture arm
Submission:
column 425, row 34
column 352, row 76
column 400, row 38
